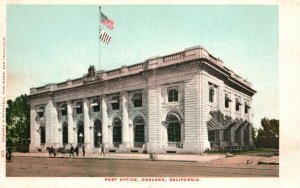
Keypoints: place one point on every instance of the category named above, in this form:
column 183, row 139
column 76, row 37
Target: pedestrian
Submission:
column 71, row 150
column 77, row 150
column 102, row 149
column 83, row 150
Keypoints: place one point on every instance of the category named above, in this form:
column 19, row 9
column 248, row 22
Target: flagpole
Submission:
column 99, row 21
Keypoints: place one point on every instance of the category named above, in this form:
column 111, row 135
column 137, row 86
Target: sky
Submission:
column 54, row 43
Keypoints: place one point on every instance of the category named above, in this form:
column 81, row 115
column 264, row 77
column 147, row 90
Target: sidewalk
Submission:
column 132, row 156
column 274, row 160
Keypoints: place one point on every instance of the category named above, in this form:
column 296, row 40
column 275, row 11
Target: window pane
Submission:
column 137, row 103
column 64, row 112
column 211, row 95
column 139, row 133
column 173, row 95
column 117, row 132
column 65, row 134
column 43, row 135
column 41, row 114
column 80, row 130
column 174, row 132
column 79, row 110
column 97, row 129
column 117, row 135
column 246, row 109
column 115, row 106
column 96, row 108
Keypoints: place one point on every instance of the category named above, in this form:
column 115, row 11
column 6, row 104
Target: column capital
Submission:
column 123, row 93
column 165, row 123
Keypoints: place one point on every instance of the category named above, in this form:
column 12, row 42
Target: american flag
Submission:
column 107, row 22
column 104, row 37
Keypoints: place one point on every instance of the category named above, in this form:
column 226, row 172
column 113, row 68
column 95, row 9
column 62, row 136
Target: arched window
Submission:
column 65, row 133
column 139, row 131
column 80, row 133
column 173, row 95
column 97, row 136
column 43, row 134
column 174, row 129
column 117, row 131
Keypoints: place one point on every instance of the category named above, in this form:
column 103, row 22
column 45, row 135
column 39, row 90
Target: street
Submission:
column 80, row 167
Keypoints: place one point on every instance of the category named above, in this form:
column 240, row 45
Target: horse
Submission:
column 51, row 151
column 63, row 151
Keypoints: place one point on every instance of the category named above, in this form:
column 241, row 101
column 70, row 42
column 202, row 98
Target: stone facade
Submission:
column 187, row 102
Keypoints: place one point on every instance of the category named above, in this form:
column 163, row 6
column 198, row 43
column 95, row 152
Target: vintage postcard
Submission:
column 153, row 94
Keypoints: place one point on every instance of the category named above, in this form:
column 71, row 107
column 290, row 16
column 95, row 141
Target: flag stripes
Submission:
column 110, row 24
column 104, row 37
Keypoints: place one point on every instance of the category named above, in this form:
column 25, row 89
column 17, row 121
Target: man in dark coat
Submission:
column 83, row 150
column 102, row 149
column 72, row 150
column 77, row 150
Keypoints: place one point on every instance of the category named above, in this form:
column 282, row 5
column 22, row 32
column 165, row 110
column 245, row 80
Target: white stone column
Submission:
column 242, row 134
column 221, row 137
column 250, row 134
column 86, row 119
column 55, row 131
column 34, row 142
column 125, row 126
column 104, row 122
column 232, row 134
column 49, row 123
column 70, row 124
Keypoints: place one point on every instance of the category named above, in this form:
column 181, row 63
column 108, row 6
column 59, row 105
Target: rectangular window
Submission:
column 137, row 100
column 79, row 110
column 40, row 112
column 227, row 100
column 63, row 109
column 246, row 107
column 78, row 107
column 211, row 94
column 96, row 108
column 173, row 95
column 95, row 105
column 64, row 112
column 237, row 105
column 115, row 103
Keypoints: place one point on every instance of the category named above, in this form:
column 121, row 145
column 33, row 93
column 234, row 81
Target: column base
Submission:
column 88, row 148
column 32, row 148
column 57, row 145
column 153, row 147
column 206, row 146
column 192, row 148
column 124, row 146
column 106, row 144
